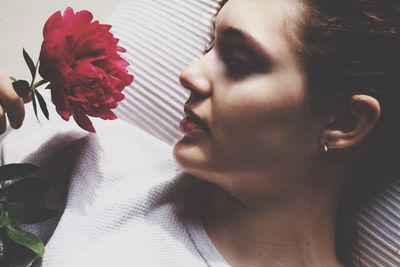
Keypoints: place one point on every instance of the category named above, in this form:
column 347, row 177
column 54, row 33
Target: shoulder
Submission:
column 125, row 225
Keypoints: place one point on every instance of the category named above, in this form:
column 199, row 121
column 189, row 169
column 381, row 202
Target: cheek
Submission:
column 259, row 128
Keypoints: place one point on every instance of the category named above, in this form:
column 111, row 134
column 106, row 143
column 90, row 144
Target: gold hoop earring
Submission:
column 326, row 149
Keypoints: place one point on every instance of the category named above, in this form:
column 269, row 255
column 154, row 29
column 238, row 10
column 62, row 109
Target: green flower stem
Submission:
column 21, row 237
column 26, row 239
column 39, row 83
column 34, row 75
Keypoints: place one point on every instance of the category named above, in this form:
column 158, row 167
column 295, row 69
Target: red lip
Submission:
column 192, row 120
column 187, row 125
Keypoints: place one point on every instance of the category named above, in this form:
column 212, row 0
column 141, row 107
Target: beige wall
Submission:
column 21, row 24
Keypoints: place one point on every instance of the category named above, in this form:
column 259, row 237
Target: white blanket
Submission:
column 110, row 175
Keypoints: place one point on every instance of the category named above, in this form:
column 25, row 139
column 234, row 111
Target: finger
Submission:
column 12, row 104
column 28, row 98
column 3, row 122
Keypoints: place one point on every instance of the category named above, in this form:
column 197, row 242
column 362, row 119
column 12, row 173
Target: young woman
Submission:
column 285, row 109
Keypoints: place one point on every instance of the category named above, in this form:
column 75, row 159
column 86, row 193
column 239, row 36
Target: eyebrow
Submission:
column 231, row 33
column 212, row 35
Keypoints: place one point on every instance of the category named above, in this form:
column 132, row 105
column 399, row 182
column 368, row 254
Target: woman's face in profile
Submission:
column 249, row 89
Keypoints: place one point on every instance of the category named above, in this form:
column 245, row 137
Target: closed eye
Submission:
column 242, row 54
column 209, row 48
column 241, row 62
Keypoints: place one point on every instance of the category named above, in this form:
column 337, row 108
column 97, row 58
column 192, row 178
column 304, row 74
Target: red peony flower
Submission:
column 79, row 57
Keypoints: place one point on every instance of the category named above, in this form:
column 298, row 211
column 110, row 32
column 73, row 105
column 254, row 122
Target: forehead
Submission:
column 270, row 22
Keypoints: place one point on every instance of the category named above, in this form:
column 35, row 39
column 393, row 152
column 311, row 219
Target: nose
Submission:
column 196, row 78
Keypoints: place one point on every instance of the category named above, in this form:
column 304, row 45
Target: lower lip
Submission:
column 188, row 126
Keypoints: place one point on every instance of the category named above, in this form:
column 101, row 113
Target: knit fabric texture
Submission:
column 124, row 198
column 121, row 188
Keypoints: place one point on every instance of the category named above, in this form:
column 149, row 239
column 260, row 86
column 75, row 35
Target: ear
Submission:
column 351, row 124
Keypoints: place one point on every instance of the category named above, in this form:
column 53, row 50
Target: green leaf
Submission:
column 40, row 83
column 30, row 63
column 27, row 188
column 16, row 170
column 4, row 219
column 34, row 106
column 42, row 104
column 26, row 239
column 31, row 215
column 35, row 261
column 22, row 87
column 3, row 196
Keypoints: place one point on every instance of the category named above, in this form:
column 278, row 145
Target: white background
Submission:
column 21, row 24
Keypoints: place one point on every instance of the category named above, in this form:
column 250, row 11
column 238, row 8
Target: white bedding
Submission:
column 161, row 37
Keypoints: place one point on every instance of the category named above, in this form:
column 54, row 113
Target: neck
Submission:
column 299, row 231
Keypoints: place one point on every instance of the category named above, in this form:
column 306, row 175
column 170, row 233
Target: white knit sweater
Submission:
column 108, row 169
column 126, row 202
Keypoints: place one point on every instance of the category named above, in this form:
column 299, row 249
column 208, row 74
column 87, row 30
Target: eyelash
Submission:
column 235, row 67
column 238, row 63
column 207, row 50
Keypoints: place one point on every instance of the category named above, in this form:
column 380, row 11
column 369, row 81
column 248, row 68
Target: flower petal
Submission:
column 83, row 120
column 80, row 57
column 54, row 22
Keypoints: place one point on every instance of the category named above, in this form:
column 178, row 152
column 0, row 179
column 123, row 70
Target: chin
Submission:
column 191, row 160
column 189, row 155
column 185, row 157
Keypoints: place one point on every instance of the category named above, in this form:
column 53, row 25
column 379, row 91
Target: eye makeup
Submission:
column 242, row 53
column 212, row 30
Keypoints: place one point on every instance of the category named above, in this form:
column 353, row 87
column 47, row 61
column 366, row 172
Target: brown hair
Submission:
column 351, row 47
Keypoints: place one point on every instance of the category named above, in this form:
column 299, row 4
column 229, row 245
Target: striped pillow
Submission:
column 162, row 37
